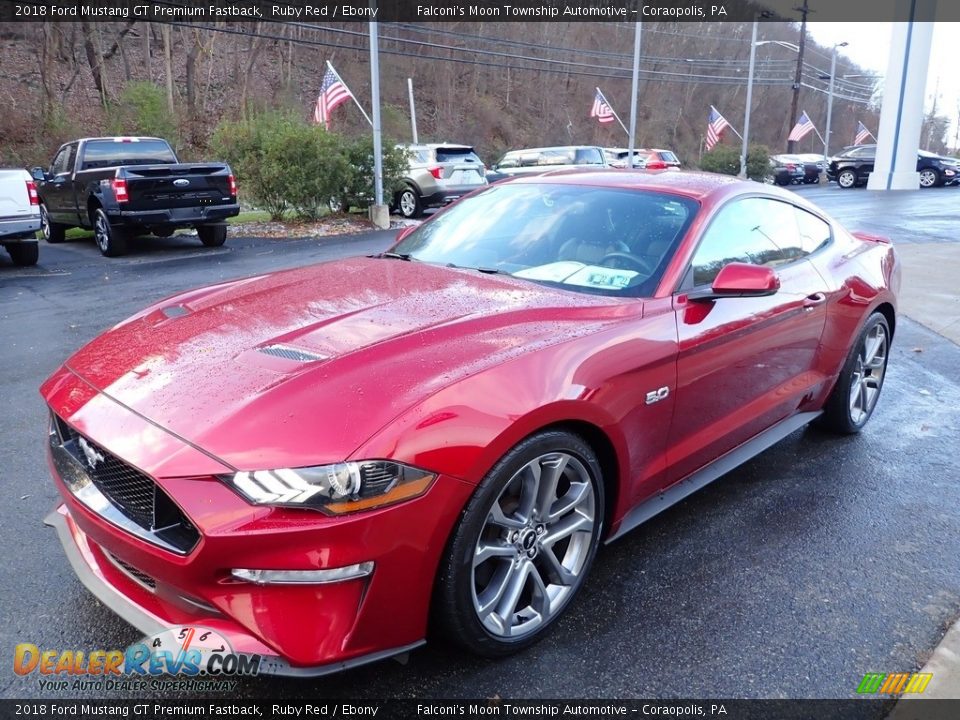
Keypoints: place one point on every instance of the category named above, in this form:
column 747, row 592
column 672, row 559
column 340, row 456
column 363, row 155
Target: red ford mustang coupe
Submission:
column 321, row 464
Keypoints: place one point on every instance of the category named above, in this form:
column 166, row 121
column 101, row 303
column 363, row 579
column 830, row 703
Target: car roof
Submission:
column 556, row 147
column 438, row 146
column 697, row 185
column 118, row 138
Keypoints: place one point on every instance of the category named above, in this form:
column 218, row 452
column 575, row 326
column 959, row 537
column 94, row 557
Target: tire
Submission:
column 111, row 241
column 408, row 203
column 24, row 253
column 865, row 367
column 212, row 235
column 929, row 178
column 847, row 178
column 472, row 604
column 52, row 232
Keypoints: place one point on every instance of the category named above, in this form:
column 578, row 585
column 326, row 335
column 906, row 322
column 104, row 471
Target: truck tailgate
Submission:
column 155, row 187
column 14, row 200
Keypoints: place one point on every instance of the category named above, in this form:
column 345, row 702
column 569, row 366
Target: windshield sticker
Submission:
column 575, row 273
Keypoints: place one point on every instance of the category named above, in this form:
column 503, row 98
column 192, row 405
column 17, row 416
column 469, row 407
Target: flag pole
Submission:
column 353, row 97
column 732, row 128
column 613, row 111
column 815, row 129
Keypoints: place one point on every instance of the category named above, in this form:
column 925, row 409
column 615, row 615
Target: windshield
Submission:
column 606, row 241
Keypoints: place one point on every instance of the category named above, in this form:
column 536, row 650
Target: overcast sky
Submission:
column 869, row 47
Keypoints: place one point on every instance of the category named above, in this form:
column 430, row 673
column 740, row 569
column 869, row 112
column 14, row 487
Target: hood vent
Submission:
column 289, row 353
column 175, row 311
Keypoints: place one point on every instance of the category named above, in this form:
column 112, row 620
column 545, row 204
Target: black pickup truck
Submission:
column 123, row 186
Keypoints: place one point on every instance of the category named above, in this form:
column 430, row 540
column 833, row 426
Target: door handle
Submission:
column 811, row 301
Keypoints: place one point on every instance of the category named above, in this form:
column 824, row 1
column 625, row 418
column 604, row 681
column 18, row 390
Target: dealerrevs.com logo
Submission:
column 197, row 657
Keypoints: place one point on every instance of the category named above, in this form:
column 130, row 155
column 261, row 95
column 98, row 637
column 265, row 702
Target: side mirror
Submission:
column 38, row 174
column 405, row 231
column 740, row 280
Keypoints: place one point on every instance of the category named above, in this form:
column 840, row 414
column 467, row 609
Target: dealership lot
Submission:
column 821, row 560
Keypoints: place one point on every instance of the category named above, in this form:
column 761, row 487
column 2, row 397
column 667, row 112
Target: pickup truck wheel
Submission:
column 52, row 232
column 212, row 235
column 111, row 241
column 23, row 254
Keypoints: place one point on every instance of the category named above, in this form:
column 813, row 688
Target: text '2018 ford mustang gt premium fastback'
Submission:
column 322, row 463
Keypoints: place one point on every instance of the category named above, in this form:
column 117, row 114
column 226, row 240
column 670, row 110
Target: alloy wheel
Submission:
column 846, row 179
column 44, row 223
column 101, row 233
column 868, row 373
column 408, row 203
column 928, row 178
column 534, row 545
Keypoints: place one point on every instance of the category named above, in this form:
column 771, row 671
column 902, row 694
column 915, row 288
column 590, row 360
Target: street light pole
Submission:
column 833, row 74
column 746, row 114
column 634, row 89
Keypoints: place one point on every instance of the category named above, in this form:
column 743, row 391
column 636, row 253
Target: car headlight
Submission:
column 334, row 489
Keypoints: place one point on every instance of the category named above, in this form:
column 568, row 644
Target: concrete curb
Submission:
column 944, row 664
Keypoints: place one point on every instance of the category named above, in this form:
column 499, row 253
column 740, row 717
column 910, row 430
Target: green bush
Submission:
column 142, row 109
column 726, row 160
column 284, row 162
column 357, row 189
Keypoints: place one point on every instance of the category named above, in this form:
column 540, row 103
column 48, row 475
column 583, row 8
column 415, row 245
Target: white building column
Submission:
column 904, row 91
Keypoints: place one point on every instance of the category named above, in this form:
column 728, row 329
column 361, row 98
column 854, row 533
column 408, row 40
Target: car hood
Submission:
column 303, row 366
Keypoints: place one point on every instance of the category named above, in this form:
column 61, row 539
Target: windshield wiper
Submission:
column 492, row 271
column 396, row 256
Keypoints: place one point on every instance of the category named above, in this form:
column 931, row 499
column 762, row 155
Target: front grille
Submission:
column 138, row 575
column 127, row 488
column 134, row 494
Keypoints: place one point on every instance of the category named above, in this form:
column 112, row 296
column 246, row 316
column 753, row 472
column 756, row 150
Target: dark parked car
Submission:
column 122, row 186
column 785, row 170
column 853, row 166
column 322, row 463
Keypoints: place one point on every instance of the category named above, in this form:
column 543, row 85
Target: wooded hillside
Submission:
column 495, row 85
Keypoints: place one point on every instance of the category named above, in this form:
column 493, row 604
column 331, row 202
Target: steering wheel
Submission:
column 642, row 264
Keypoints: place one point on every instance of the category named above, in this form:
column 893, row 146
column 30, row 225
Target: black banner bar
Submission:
column 205, row 11
column 864, row 709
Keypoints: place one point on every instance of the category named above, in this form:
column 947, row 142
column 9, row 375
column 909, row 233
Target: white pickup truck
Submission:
column 19, row 216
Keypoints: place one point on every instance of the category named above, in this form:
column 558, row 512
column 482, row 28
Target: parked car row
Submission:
column 796, row 169
column 852, row 167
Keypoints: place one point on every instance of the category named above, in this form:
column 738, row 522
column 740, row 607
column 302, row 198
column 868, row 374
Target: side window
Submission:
column 814, row 232
column 59, row 163
column 753, row 230
column 71, row 157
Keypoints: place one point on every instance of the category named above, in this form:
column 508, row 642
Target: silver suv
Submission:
column 439, row 174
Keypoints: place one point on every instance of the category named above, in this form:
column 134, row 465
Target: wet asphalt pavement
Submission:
column 821, row 560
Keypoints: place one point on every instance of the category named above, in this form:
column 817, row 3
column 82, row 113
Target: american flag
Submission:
column 600, row 110
column 804, row 125
column 862, row 134
column 333, row 92
column 716, row 124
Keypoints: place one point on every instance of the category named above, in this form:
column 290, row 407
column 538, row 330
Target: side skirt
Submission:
column 706, row 475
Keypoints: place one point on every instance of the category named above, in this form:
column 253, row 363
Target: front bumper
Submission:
column 14, row 227
column 304, row 629
column 105, row 581
column 174, row 217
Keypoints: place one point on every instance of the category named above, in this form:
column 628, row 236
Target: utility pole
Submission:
column 795, row 103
